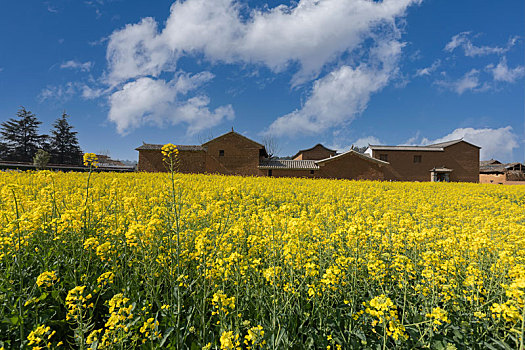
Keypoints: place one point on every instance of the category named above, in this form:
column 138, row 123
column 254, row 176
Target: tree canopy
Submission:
column 64, row 147
column 20, row 137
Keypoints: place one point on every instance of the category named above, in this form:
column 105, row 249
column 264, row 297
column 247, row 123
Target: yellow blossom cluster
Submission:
column 90, row 160
column 384, row 313
column 77, row 302
column 40, row 337
column 46, row 279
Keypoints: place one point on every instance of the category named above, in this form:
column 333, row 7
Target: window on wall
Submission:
column 311, row 172
column 383, row 157
column 221, row 153
column 417, row 159
column 269, row 172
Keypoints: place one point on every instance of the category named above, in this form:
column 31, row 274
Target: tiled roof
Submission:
column 436, row 147
column 154, row 147
column 489, row 162
column 288, row 164
column 497, row 168
column 405, row 148
column 361, row 155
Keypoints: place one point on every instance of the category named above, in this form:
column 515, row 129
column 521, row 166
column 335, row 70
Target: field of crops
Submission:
column 126, row 261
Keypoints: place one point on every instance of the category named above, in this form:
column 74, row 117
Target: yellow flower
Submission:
column 38, row 335
column 46, row 279
column 169, row 150
column 439, row 316
column 90, row 160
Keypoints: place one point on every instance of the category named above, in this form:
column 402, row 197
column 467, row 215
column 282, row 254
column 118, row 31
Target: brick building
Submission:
column 231, row 154
column 494, row 172
column 456, row 161
column 234, row 154
column 317, row 152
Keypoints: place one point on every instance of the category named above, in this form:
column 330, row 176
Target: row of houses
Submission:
column 235, row 154
column 494, row 172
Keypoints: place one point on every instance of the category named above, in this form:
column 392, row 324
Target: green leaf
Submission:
column 166, row 335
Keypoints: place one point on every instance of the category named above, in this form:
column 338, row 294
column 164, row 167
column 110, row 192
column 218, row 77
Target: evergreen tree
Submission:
column 64, row 147
column 20, row 136
column 3, row 151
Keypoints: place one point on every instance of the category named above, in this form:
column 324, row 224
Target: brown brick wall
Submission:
column 461, row 157
column 150, row 161
column 510, row 177
column 317, row 153
column 351, row 166
column 241, row 156
column 189, row 161
column 464, row 159
column 492, row 178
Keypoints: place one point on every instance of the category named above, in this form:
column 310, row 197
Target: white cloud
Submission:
column 428, row 70
column 368, row 140
column 341, row 95
column 311, row 33
column 462, row 40
column 361, row 142
column 494, row 143
column 59, row 93
column 469, row 82
column 136, row 51
column 72, row 64
column 156, row 101
column 502, row 72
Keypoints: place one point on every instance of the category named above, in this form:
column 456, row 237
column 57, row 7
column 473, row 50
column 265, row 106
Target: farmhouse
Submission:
column 235, row 154
column 494, row 172
column 455, row 160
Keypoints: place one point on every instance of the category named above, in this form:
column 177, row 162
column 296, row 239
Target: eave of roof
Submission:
column 361, row 155
column 436, row 147
column 442, row 170
column 155, row 147
column 289, row 164
column 405, row 148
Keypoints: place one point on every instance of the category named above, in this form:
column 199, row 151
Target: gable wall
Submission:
column 352, row 167
column 317, row 153
column 241, row 157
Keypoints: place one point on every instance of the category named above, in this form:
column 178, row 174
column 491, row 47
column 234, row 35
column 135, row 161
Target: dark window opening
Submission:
column 311, row 172
column 383, row 157
column 417, row 159
column 221, row 153
column 270, row 172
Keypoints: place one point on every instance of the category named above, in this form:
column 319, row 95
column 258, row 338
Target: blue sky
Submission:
column 302, row 72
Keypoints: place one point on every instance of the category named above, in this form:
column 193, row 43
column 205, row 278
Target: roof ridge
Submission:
column 361, row 155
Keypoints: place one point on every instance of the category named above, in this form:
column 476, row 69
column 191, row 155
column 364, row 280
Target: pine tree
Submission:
column 3, row 151
column 20, row 136
column 64, row 147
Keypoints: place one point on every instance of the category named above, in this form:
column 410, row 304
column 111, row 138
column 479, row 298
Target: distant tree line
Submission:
column 21, row 141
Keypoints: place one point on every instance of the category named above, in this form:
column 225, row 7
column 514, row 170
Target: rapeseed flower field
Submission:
column 147, row 261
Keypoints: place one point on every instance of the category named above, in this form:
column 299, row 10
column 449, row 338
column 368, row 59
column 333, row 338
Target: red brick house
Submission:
column 456, row 160
column 234, row 154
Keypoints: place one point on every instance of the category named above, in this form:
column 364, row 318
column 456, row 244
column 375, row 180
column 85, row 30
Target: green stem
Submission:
column 21, row 287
